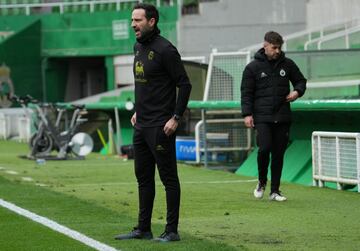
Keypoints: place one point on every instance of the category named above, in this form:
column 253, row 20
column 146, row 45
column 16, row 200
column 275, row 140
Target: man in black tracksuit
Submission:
column 265, row 103
column 158, row 71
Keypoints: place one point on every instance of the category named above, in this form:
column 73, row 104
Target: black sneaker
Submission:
column 168, row 236
column 135, row 234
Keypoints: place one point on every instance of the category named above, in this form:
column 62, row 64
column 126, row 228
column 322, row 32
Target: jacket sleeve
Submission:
column 297, row 79
column 247, row 92
column 175, row 68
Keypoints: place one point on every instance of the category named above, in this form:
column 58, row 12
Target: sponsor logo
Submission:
column 139, row 69
column 263, row 75
column 139, row 72
column 160, row 148
column 187, row 149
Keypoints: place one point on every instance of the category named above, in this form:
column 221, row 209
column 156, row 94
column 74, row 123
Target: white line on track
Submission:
column 57, row 227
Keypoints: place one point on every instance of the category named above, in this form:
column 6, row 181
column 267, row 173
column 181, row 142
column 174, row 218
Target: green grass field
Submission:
column 98, row 197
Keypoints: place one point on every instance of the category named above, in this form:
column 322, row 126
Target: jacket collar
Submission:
column 260, row 55
column 150, row 36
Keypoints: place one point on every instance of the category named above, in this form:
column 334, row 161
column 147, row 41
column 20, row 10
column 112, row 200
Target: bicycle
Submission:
column 49, row 137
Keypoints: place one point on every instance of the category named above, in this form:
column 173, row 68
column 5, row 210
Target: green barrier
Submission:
column 326, row 105
column 299, row 105
column 214, row 105
column 297, row 164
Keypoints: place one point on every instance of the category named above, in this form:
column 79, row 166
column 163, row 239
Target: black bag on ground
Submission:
column 128, row 150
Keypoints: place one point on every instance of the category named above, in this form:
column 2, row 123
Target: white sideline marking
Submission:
column 41, row 185
column 181, row 182
column 57, row 227
column 218, row 182
column 27, row 178
column 11, row 172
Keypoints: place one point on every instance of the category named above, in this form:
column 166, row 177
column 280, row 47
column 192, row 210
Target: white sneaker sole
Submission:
column 258, row 195
column 278, row 198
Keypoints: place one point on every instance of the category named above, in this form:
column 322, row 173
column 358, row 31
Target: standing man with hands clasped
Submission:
column 265, row 103
column 158, row 71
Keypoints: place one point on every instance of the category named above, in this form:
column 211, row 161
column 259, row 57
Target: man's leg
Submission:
column 166, row 161
column 280, row 139
column 264, row 142
column 145, row 172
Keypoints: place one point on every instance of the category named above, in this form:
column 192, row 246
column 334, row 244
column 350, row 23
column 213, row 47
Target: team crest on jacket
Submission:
column 282, row 73
column 151, row 55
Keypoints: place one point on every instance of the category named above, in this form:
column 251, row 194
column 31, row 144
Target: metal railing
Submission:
column 321, row 32
column 336, row 158
column 222, row 135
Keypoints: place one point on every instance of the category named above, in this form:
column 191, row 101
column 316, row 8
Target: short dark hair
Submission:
column 150, row 11
column 273, row 37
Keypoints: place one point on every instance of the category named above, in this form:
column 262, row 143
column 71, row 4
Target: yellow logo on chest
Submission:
column 139, row 69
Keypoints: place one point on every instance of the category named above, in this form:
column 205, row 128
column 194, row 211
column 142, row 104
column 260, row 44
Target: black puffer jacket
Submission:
column 265, row 86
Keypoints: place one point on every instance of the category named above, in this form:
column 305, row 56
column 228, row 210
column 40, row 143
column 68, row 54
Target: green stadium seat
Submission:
column 354, row 39
column 4, row 12
column 74, row 8
column 127, row 5
column 112, row 6
column 67, row 8
column 16, row 11
column 84, row 8
column 124, row 6
column 107, row 6
column 189, row 2
column 165, row 2
column 55, row 9
column 100, row 7
column 153, row 2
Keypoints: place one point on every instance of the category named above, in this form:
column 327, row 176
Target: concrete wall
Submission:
column 325, row 12
column 230, row 25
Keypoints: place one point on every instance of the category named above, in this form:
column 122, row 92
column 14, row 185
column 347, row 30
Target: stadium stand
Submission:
column 344, row 39
column 307, row 39
column 28, row 7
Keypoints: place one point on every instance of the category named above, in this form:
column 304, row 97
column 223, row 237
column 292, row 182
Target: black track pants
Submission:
column 272, row 139
column 152, row 146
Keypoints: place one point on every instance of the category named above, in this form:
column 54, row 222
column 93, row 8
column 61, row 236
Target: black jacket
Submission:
column 158, row 70
column 265, row 85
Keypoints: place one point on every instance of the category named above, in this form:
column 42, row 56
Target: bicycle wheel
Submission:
column 43, row 144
